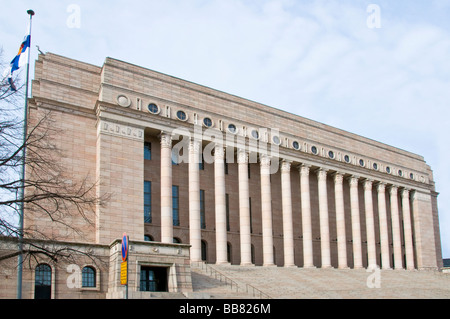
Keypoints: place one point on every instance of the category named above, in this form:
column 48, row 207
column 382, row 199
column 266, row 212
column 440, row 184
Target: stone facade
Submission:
column 255, row 185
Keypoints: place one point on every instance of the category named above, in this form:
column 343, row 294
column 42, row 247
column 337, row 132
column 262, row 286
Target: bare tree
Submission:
column 47, row 191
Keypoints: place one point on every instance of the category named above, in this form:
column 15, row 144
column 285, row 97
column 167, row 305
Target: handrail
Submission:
column 255, row 291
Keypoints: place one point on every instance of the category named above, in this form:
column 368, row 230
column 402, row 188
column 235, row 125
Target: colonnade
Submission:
column 288, row 231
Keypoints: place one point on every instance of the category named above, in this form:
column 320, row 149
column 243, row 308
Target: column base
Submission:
column 247, row 265
column 223, row 263
column 290, row 266
column 343, row 267
column 309, row 267
column 270, row 265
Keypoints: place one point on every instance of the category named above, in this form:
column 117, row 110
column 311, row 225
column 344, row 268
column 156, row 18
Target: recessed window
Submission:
column 347, row 159
column 361, row 162
column 232, row 128
column 276, row 140
column 296, row 145
column 147, row 202
column 314, row 150
column 153, row 108
column 176, row 205
column 388, row 169
column 88, row 277
column 181, row 115
column 255, row 134
column 375, row 166
column 400, row 172
column 331, row 154
column 207, row 122
column 148, row 151
column 411, row 175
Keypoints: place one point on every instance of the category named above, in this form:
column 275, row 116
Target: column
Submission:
column 266, row 210
column 220, row 201
column 340, row 220
column 409, row 249
column 306, row 217
column 323, row 216
column 370, row 225
column 384, row 233
column 396, row 233
column 356, row 224
column 244, row 209
column 288, row 227
column 195, row 235
column 166, row 189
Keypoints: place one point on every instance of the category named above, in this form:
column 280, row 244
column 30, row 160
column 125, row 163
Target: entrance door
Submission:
column 153, row 279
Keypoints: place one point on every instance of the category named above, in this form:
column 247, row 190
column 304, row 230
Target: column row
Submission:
column 287, row 216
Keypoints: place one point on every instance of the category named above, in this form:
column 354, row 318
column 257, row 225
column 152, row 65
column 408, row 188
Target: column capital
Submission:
column 381, row 187
column 393, row 190
column 242, row 156
column 353, row 180
column 338, row 178
column 322, row 173
column 368, row 184
column 194, row 146
column 286, row 165
column 405, row 192
column 304, row 169
column 166, row 139
column 219, row 152
column 264, row 160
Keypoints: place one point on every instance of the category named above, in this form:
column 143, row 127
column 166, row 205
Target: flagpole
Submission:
column 22, row 204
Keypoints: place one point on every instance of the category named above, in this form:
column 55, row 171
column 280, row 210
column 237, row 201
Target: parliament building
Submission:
column 193, row 175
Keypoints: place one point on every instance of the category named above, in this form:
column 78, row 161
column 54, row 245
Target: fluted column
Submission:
column 340, row 220
column 266, row 210
column 195, row 235
column 396, row 232
column 166, row 189
column 220, row 201
column 244, row 209
column 324, row 221
column 384, row 233
column 409, row 249
column 288, row 228
column 370, row 225
column 356, row 223
column 308, row 261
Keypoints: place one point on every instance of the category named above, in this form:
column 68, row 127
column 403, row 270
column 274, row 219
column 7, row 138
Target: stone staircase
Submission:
column 226, row 281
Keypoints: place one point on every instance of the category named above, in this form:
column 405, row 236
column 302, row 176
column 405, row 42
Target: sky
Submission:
column 377, row 68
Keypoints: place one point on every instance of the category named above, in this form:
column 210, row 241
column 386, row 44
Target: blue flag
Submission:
column 19, row 60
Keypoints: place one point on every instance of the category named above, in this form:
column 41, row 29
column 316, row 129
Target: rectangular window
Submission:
column 147, row 151
column 201, row 165
column 250, row 209
column 227, row 199
column 147, row 202
column 202, row 210
column 249, row 170
column 175, row 205
column 226, row 168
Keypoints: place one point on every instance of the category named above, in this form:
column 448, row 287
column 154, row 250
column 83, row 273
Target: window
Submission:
column 181, row 115
column 331, row 154
column 314, row 150
column 347, row 159
column 249, row 173
column 229, row 252
column 153, row 108
column 296, row 145
column 148, row 202
column 201, row 165
column 276, row 140
column 175, row 206
column 232, row 128
column 202, row 210
column 227, row 207
column 400, row 173
column 411, row 175
column 388, row 169
column 207, row 122
column 361, row 162
column 43, row 282
column 375, row 166
column 255, row 134
column 148, row 238
column 88, row 277
column 176, row 240
column 147, row 151
column 226, row 167
column 250, row 210
column 204, row 250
